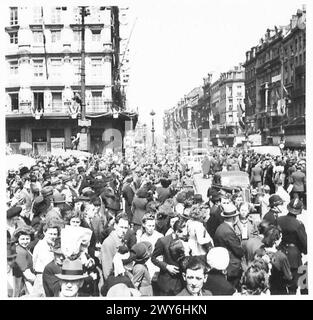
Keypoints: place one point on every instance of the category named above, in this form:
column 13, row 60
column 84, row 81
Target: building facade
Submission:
column 43, row 87
column 228, row 106
column 275, row 85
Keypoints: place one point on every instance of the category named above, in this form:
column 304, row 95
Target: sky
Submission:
column 175, row 44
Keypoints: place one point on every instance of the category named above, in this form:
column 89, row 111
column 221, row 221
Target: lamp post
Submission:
column 84, row 138
column 144, row 136
column 152, row 114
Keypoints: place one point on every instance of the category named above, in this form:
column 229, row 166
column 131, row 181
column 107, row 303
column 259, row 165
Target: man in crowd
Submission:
column 225, row 236
column 111, row 244
column 169, row 280
column 195, row 276
column 72, row 278
column 294, row 239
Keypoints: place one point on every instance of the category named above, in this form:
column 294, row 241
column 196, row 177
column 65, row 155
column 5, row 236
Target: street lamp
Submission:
column 144, row 136
column 152, row 114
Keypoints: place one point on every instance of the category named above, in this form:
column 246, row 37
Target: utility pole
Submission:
column 84, row 138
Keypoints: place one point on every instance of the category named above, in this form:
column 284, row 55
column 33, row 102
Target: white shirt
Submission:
column 286, row 198
column 198, row 236
column 42, row 255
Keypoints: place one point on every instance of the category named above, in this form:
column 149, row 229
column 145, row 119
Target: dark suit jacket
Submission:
column 256, row 174
column 226, row 237
column 293, row 232
column 185, row 292
column 218, row 284
column 166, row 281
column 214, row 220
column 163, row 194
column 51, row 283
column 128, row 195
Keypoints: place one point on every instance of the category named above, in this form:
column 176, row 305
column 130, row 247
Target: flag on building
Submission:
column 211, row 119
column 241, row 116
column 281, row 107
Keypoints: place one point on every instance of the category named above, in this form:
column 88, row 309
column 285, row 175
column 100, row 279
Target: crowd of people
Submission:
column 105, row 226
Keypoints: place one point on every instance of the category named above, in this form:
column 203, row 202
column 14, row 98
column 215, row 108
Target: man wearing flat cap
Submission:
column 225, row 236
column 294, row 239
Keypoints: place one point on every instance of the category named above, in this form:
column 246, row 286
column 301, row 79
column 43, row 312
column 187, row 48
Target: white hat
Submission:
column 218, row 258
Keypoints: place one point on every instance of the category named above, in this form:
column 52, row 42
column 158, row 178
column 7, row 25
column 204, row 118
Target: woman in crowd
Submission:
column 24, row 259
column 246, row 226
column 199, row 240
column 141, row 277
column 280, row 268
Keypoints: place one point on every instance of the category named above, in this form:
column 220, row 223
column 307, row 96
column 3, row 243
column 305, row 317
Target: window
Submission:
column 13, row 16
column 96, row 66
column 56, row 67
column 38, row 37
column 96, row 35
column 77, row 16
column 37, row 15
column 77, row 37
column 55, row 36
column 13, row 68
column 13, row 38
column 14, row 101
column 96, row 98
column 38, row 67
column 296, row 44
column 77, row 68
column 300, row 59
column 56, row 101
column 56, row 15
column 39, row 101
